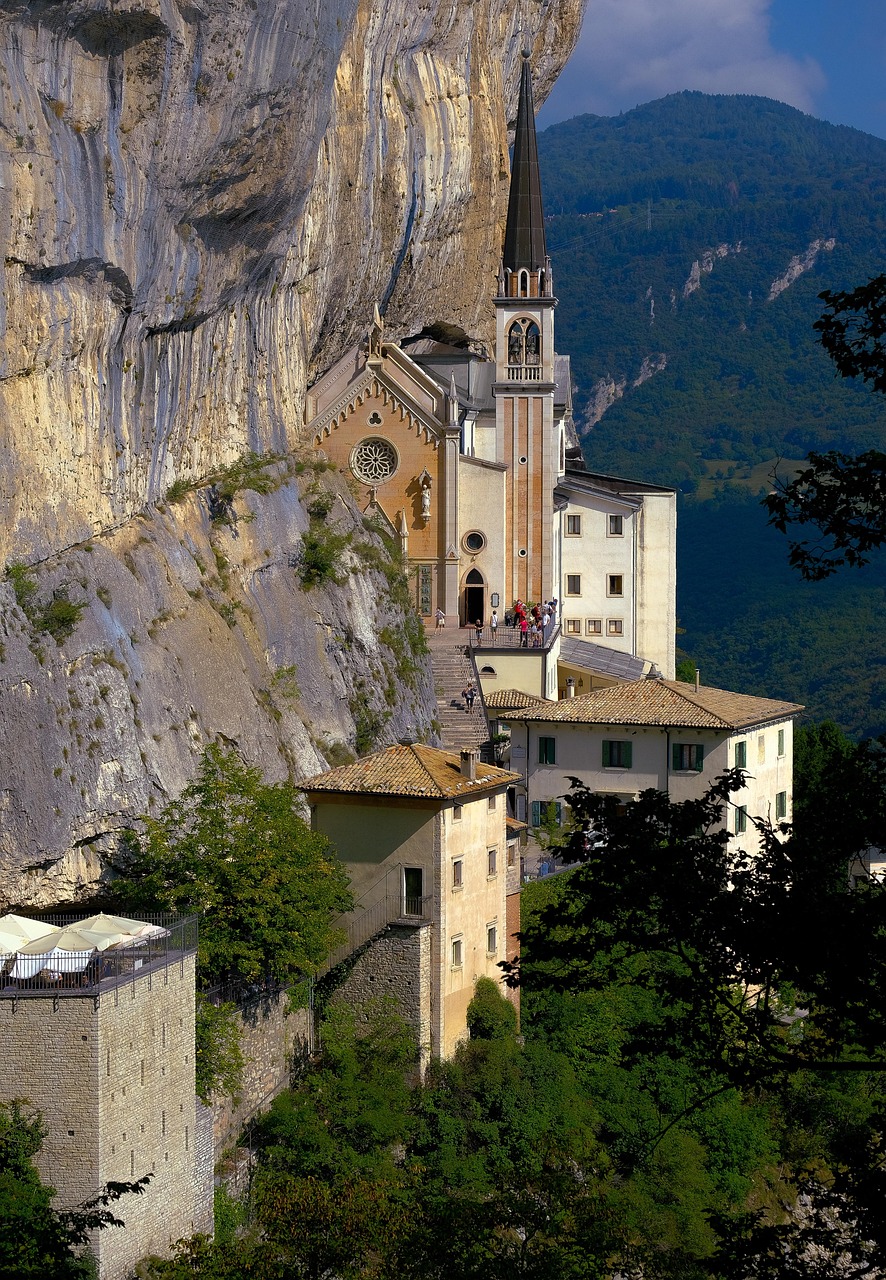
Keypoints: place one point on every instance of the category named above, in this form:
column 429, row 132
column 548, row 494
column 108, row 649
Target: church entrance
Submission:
column 474, row 598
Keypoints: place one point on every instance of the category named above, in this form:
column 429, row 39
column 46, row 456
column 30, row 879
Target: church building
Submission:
column 470, row 461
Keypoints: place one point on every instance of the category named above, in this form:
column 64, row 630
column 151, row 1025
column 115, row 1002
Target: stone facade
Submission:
column 396, row 965
column 273, row 1036
column 114, row 1080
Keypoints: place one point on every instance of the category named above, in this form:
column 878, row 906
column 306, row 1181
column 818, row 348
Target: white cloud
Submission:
column 631, row 51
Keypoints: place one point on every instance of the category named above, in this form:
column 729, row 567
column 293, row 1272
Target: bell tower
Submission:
column 528, row 439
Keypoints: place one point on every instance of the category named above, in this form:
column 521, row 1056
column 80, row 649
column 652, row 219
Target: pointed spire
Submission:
column 525, row 230
column 453, row 402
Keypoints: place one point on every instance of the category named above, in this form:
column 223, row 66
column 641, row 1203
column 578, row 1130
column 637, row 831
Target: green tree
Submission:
column 37, row 1240
column 841, row 496
column 748, row 971
column 490, row 1016
column 236, row 849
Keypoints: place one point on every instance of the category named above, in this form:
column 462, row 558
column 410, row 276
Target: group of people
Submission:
column 536, row 622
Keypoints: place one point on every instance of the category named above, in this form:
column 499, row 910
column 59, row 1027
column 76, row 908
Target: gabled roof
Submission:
column 525, row 230
column 663, row 703
column 510, row 698
column 415, row 770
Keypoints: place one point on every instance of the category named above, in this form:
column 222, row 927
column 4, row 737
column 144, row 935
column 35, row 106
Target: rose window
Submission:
column 374, row 461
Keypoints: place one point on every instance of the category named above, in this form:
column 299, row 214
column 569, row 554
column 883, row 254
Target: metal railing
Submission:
column 382, row 903
column 510, row 638
column 103, row 971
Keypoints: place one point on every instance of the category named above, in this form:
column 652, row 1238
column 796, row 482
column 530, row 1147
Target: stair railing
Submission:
column 380, row 905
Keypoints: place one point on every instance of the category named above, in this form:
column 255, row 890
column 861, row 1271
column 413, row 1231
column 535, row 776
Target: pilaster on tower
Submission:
column 524, row 387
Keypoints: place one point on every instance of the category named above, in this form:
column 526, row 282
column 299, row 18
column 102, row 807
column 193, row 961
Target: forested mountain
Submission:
column 691, row 238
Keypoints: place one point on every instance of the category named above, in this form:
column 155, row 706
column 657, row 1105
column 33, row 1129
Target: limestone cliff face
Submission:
column 200, row 200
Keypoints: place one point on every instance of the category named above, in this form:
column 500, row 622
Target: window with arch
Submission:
column 524, row 343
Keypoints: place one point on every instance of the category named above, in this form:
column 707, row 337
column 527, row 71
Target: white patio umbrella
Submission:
column 66, row 950
column 121, row 928
column 16, row 930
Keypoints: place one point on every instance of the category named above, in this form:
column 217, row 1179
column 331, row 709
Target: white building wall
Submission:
column 656, row 596
column 579, row 753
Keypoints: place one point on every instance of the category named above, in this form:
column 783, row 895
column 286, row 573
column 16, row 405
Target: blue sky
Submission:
column 827, row 57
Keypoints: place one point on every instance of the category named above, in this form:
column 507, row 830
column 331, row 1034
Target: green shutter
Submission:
column 627, row 752
column 536, row 813
column 675, row 756
column 699, row 758
column 605, row 754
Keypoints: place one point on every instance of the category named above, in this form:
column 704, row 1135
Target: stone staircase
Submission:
column 459, row 728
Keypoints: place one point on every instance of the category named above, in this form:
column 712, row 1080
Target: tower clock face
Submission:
column 374, row 461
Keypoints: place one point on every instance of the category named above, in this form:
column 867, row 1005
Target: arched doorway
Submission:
column 474, row 598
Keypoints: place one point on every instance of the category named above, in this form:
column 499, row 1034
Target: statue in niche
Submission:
column 425, row 482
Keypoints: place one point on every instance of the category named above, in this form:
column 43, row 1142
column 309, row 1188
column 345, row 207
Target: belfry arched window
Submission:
column 524, row 349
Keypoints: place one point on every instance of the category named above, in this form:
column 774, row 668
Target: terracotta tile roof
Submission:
column 415, row 770
column 510, row 698
column 667, row 703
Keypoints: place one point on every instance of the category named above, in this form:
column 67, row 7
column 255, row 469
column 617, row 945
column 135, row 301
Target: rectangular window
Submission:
column 617, row 755
column 741, row 819
column 546, row 812
column 615, row 584
column 491, row 861
column 781, row 742
column 456, row 813
column 573, row 627
column 687, row 755
column 616, row 526
column 741, row 755
column 573, row 584
column 547, row 750
column 594, row 626
column 491, row 939
column 512, row 855
column 492, row 803
column 573, row 526
column 761, row 749
column 781, row 805
column 615, row 627
column 455, row 953
column 457, row 873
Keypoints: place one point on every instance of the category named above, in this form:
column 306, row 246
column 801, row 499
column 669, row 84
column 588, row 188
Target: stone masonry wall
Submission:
column 115, row 1083
column 272, row 1037
column 395, row 965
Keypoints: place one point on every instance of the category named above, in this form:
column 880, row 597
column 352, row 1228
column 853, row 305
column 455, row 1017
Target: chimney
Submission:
column 697, row 679
column 469, row 764
column 570, row 686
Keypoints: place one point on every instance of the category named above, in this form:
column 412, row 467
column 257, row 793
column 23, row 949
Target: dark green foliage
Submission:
column 23, row 584
column 746, row 383
column 237, row 850
column 252, row 471
column 490, row 1016
column 178, row 490
column 320, row 560
column 218, row 1056
column 754, row 626
column 842, row 497
column 58, row 618
column 37, row 1241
